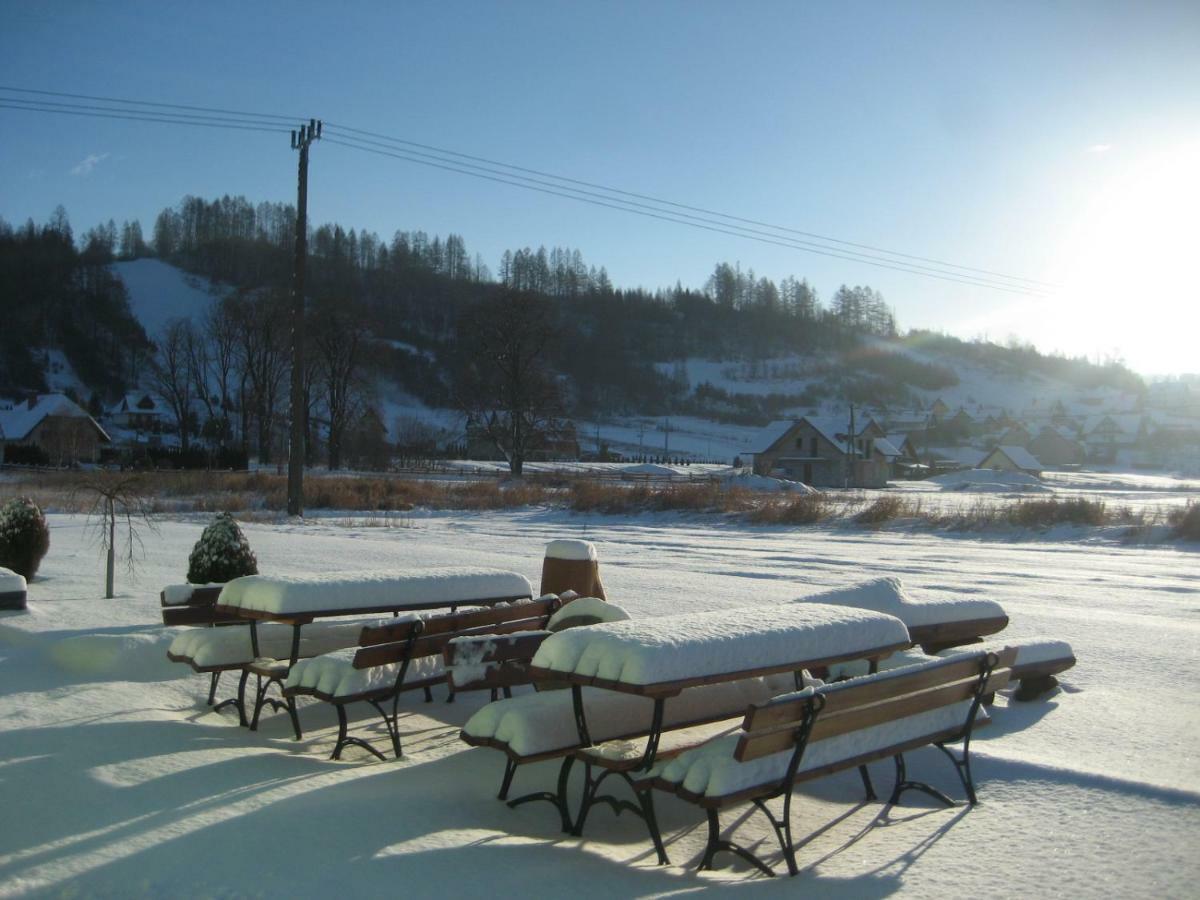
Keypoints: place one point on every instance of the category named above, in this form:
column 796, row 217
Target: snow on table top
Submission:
column 571, row 549
column 283, row 594
column 10, row 581
column 887, row 595
column 722, row 642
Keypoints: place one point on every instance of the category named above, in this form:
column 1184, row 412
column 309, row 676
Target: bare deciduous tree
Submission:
column 504, row 384
column 172, row 374
column 114, row 499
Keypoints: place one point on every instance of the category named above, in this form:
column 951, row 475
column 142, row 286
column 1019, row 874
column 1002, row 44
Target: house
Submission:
column 56, row 426
column 938, row 410
column 140, row 412
column 1105, row 435
column 1015, row 435
column 822, row 451
column 906, row 463
column 1012, row 459
column 1055, row 447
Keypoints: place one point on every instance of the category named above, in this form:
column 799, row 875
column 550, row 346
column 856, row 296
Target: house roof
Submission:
column 141, row 403
column 1020, row 457
column 833, row 428
column 17, row 420
column 887, row 448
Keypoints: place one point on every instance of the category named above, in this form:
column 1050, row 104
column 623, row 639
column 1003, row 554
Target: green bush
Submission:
column 222, row 553
column 24, row 536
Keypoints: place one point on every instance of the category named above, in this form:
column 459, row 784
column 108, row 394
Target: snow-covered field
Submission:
column 116, row 781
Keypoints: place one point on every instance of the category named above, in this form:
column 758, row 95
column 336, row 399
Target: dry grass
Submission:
column 1185, row 523
column 383, row 500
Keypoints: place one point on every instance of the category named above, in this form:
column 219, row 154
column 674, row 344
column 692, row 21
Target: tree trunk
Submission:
column 111, row 514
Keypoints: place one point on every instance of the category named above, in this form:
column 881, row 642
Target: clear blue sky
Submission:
column 1036, row 139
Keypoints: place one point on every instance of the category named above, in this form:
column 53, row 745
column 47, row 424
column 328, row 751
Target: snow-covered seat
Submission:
column 399, row 656
column 12, row 589
column 829, row 728
column 935, row 623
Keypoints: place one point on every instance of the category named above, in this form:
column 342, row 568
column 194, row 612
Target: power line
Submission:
column 209, row 109
column 699, row 209
column 742, row 230
column 100, row 112
column 666, row 216
column 165, row 113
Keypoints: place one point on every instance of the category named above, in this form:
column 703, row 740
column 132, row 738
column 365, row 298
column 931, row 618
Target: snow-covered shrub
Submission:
column 222, row 553
column 24, row 536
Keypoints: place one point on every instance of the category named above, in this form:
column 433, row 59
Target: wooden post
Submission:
column 296, row 444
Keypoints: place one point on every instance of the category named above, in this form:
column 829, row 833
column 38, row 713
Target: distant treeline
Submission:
column 616, row 348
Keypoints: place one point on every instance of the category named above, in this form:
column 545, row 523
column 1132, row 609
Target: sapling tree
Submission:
column 117, row 500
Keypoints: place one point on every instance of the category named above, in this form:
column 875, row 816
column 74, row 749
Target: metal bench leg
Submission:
column 715, row 844
column 510, row 769
column 903, row 784
column 866, row 780
column 212, row 686
column 557, row 799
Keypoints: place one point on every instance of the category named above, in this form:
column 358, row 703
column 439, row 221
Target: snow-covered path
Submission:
column 114, row 780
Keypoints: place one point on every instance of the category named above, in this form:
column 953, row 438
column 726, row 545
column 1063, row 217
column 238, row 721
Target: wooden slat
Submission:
column 501, row 648
column 388, row 634
column 195, row 615
column 764, row 743
column 382, row 654
column 478, row 619
column 956, row 632
column 308, row 615
column 507, row 674
column 780, row 712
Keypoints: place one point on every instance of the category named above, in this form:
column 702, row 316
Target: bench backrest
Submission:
column 410, row 639
column 198, row 610
column 838, row 709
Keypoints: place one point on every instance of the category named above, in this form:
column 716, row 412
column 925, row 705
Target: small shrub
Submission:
column 884, row 509
column 1186, row 522
column 24, row 536
column 222, row 553
column 1037, row 513
column 796, row 509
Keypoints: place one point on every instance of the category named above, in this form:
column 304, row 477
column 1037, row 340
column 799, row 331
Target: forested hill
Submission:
column 617, row 350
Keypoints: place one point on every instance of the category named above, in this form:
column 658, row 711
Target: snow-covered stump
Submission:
column 12, row 590
column 572, row 565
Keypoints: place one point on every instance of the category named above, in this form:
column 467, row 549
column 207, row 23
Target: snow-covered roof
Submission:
column 835, row 429
column 143, row 403
column 17, row 420
column 887, row 448
column 1021, row 458
column 762, row 441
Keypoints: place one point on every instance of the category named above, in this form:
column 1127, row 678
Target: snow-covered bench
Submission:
column 12, row 589
column 636, row 679
column 1037, row 663
column 390, row 659
column 830, row 728
column 281, row 613
column 934, row 623
column 191, row 604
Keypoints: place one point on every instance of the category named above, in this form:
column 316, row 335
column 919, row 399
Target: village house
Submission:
column 54, row 424
column 823, row 452
column 1012, row 459
column 139, row 412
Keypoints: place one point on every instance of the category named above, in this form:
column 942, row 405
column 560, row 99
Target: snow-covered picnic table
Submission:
column 660, row 657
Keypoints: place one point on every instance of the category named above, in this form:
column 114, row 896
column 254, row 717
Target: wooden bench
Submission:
column 394, row 658
column 191, row 604
column 664, row 688
column 13, row 590
column 831, row 728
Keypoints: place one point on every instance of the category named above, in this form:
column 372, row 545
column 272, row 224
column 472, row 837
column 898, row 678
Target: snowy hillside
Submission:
column 159, row 292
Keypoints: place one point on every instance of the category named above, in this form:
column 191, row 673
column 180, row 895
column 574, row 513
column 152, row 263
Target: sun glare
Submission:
column 1129, row 269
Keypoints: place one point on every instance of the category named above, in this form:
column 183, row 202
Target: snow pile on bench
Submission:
column 470, row 652
column 333, row 676
column 282, row 594
column 229, row 645
column 721, row 642
column 586, row 611
column 544, row 722
column 11, row 582
column 887, row 595
column 1030, row 651
column 710, row 770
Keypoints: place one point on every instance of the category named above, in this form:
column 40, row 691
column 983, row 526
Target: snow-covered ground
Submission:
column 116, row 781
column 159, row 292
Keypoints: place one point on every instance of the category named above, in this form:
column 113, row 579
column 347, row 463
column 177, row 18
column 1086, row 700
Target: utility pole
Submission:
column 296, row 445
